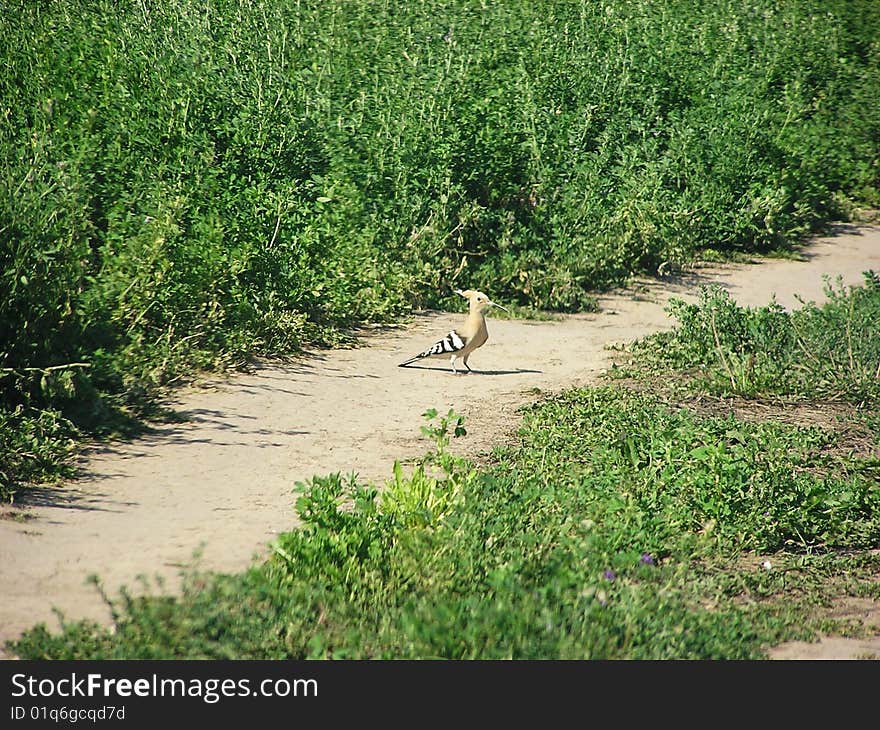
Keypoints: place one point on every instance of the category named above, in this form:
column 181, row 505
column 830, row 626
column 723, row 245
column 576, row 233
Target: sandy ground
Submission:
column 222, row 482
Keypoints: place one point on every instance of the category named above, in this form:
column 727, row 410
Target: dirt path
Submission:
column 223, row 480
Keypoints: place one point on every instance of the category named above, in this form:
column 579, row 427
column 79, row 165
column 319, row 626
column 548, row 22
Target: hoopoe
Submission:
column 462, row 341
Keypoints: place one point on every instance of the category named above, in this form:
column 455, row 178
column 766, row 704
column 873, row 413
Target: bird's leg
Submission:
column 464, row 360
column 452, row 362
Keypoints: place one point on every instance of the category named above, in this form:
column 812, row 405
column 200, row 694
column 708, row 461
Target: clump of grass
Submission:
column 36, row 447
column 827, row 351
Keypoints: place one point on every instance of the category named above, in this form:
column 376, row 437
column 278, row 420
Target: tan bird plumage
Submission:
column 463, row 340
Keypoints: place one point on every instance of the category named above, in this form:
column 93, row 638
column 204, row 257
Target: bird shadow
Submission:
column 518, row 371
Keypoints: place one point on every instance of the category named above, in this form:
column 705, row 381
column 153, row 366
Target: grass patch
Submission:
column 829, row 351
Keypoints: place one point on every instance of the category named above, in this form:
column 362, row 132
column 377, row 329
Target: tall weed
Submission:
column 829, row 350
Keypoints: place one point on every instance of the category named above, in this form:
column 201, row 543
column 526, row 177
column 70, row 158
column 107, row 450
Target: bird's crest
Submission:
column 478, row 298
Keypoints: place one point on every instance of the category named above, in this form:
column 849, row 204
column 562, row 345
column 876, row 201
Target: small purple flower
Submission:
column 609, row 575
column 647, row 559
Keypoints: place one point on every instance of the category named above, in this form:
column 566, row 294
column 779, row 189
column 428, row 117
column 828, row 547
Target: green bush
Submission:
column 36, row 447
column 830, row 350
column 188, row 185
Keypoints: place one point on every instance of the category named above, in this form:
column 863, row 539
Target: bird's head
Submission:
column 477, row 300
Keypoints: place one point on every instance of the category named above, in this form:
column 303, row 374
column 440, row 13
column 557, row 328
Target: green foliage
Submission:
column 187, row 185
column 830, row 350
column 35, row 447
column 422, row 499
column 750, row 486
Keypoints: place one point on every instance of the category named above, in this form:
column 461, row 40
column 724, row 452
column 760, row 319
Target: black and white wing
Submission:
column 453, row 342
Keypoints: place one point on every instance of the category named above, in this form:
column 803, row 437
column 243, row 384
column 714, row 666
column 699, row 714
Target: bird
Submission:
column 463, row 340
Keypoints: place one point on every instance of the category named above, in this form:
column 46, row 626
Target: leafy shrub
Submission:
column 35, row 447
column 830, row 350
column 189, row 186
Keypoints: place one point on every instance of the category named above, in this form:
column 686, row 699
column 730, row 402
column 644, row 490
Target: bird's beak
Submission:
column 499, row 306
column 458, row 291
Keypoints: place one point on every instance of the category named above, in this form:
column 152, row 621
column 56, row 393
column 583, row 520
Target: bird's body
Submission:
column 463, row 340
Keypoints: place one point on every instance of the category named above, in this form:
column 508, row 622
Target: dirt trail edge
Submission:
column 222, row 482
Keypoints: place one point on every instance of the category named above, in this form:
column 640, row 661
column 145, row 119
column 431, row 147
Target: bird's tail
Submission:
column 453, row 342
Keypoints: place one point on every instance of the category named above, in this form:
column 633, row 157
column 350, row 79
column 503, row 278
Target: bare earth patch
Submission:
column 222, row 482
column 861, row 612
